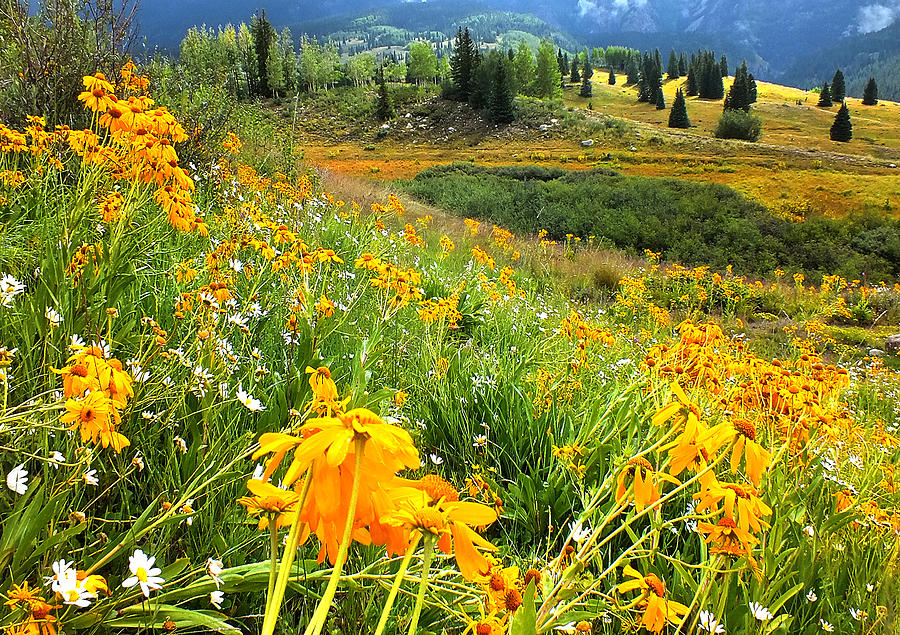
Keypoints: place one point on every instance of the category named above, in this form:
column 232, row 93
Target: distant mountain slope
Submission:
column 859, row 57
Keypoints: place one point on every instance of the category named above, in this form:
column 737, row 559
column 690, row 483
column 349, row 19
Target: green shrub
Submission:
column 737, row 124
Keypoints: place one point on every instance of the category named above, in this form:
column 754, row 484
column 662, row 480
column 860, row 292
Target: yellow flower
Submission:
column 657, row 609
column 645, row 478
column 96, row 418
column 270, row 503
column 743, row 433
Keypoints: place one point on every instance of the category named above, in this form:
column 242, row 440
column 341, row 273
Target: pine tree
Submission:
column 587, row 65
column 842, row 129
column 633, row 71
column 660, row 99
column 752, row 90
column 562, row 62
column 692, row 84
column 682, row 64
column 263, row 33
column 825, row 97
column 678, row 117
column 463, row 60
column 739, row 97
column 574, row 76
column 838, row 87
column 672, row 67
column 723, row 66
column 384, row 110
column 500, row 102
column 870, row 94
column 612, row 77
column 587, row 89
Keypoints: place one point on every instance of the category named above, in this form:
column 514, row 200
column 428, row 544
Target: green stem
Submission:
column 273, row 554
column 398, row 579
column 273, row 601
column 318, row 619
column 423, row 584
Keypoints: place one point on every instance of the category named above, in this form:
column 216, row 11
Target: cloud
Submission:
column 603, row 9
column 874, row 17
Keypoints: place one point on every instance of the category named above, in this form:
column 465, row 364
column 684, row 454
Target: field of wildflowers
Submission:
column 234, row 403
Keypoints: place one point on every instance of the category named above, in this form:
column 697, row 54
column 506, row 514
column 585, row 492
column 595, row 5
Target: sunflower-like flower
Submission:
column 726, row 537
column 743, row 433
column 741, row 504
column 657, row 609
column 270, row 503
column 96, row 418
column 645, row 480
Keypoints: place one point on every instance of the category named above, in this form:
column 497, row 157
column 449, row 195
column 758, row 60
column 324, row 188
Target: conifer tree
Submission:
column 611, row 80
column 562, row 62
column 263, row 33
column 842, row 129
column 672, row 66
column 682, row 64
column 547, row 81
column 723, row 66
column 587, row 64
column 384, row 110
column 752, row 91
column 633, row 71
column 838, row 87
column 739, row 97
column 825, row 97
column 574, row 76
column 463, row 60
column 678, row 117
column 660, row 99
column 587, row 89
column 870, row 94
column 692, row 85
column 500, row 101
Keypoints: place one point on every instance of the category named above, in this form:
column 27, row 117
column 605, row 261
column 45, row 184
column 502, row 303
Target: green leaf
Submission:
column 154, row 615
column 525, row 620
column 787, row 595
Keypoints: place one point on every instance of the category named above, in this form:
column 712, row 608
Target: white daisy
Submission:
column 56, row 458
column 143, row 573
column 216, row 598
column 709, row 623
column 17, row 479
column 214, row 568
column 760, row 612
column 252, row 404
column 811, row 595
column 828, row 628
column 90, row 477
column 53, row 317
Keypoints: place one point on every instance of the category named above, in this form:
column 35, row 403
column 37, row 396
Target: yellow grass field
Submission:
column 794, row 164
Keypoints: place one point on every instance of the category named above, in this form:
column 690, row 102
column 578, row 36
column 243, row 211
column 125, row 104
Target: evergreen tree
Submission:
column 678, row 117
column 633, row 71
column 562, row 63
column 752, row 82
column 682, row 64
column 711, row 85
column 739, row 97
column 660, row 99
column 575, row 76
column 723, row 66
column 870, row 94
column 463, row 60
column 384, row 110
column 587, row 65
column 672, row 67
column 587, row 89
column 263, row 33
column 500, row 102
column 842, row 129
column 611, row 80
column 838, row 87
column 692, row 84
column 825, row 97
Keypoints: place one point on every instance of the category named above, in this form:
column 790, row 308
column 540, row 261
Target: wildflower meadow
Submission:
column 232, row 402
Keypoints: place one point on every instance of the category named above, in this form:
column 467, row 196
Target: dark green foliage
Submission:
column 682, row 64
column 692, row 86
column 752, row 81
column 842, row 128
column 574, row 76
column 838, row 87
column 587, row 64
column 739, row 95
column 463, row 61
column 385, row 108
column 649, row 81
column 611, row 80
column 672, row 67
column 660, row 99
column 870, row 94
column 723, row 66
column 562, row 62
column 737, row 124
column 263, row 33
column 500, row 102
column 711, row 86
column 587, row 89
column 678, row 117
column 825, row 97
column 688, row 222
column 633, row 70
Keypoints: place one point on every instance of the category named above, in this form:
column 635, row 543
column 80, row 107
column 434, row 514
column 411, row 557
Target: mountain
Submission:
column 778, row 38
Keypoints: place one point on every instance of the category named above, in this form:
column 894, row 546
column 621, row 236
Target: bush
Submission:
column 737, row 124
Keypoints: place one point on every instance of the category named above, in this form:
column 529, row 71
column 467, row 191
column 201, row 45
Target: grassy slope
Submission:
column 793, row 162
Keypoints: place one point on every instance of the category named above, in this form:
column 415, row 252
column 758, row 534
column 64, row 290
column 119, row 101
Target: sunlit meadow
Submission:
column 234, row 403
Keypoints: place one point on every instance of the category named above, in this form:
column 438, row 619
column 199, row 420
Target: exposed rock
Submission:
column 876, row 352
column 587, row 143
column 892, row 344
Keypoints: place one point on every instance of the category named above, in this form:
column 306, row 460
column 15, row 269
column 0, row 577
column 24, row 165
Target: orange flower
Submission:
column 96, row 417
column 645, row 479
column 657, row 609
column 271, row 503
column 743, row 433
column 726, row 537
column 741, row 503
